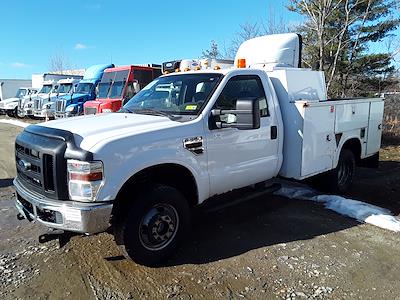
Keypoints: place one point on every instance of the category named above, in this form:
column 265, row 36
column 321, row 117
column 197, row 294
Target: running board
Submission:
column 222, row 202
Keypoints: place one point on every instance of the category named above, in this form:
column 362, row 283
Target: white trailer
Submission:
column 9, row 87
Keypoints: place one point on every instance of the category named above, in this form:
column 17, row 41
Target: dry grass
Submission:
column 391, row 121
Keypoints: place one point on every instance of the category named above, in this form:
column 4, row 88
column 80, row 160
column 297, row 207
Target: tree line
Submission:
column 338, row 38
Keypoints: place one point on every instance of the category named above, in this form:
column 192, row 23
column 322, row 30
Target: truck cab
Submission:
column 118, row 85
column 72, row 104
column 10, row 106
column 66, row 87
column 47, row 93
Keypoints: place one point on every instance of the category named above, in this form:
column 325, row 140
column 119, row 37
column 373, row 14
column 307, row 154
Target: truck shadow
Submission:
column 262, row 222
column 6, row 182
column 271, row 220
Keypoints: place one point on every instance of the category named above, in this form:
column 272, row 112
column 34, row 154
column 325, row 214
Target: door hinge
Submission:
column 194, row 144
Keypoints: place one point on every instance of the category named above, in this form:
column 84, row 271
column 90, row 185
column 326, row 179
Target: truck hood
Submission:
column 9, row 100
column 73, row 96
column 91, row 129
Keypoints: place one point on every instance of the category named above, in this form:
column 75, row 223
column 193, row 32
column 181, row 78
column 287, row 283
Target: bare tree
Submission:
column 274, row 24
column 213, row 52
column 58, row 63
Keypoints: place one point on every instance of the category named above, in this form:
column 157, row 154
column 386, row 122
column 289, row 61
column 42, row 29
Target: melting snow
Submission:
column 358, row 210
column 15, row 122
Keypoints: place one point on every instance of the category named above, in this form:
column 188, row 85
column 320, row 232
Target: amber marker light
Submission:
column 241, row 63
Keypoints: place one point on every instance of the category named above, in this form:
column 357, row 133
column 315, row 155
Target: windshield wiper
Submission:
column 150, row 111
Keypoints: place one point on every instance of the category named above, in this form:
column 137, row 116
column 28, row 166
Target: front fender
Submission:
column 125, row 157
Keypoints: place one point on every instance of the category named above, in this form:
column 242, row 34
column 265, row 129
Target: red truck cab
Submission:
column 118, row 85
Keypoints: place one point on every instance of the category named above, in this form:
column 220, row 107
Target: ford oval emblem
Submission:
column 24, row 164
column 168, row 65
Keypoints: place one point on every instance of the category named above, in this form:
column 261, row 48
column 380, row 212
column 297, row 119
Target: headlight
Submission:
column 71, row 108
column 107, row 110
column 84, row 179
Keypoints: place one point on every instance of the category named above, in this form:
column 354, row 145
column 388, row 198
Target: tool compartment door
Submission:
column 319, row 144
column 375, row 127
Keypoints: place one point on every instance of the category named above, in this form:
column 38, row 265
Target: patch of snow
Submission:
column 15, row 122
column 355, row 209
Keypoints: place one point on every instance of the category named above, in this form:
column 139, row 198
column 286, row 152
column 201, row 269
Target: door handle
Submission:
column 274, row 132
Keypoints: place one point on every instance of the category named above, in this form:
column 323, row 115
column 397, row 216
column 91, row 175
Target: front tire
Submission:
column 153, row 225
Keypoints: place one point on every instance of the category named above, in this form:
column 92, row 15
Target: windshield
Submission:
column 178, row 94
column 45, row 89
column 84, row 88
column 116, row 90
column 20, row 93
column 65, row 88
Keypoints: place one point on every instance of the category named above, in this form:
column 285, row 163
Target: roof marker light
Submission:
column 241, row 63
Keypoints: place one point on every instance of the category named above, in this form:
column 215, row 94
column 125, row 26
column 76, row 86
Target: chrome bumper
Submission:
column 68, row 215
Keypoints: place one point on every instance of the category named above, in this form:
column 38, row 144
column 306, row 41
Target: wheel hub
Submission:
column 158, row 227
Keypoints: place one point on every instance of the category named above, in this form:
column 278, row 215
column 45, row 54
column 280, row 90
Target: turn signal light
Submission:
column 86, row 177
column 217, row 67
column 241, row 63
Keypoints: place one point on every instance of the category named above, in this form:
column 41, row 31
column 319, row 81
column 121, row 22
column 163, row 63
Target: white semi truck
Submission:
column 44, row 104
column 141, row 171
column 10, row 106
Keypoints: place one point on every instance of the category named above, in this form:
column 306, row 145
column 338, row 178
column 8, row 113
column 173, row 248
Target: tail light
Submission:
column 84, row 179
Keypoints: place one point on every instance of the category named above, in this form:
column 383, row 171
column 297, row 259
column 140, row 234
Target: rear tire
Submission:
column 153, row 225
column 340, row 179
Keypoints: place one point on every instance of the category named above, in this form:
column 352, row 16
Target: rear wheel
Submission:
column 154, row 225
column 341, row 178
column 10, row 113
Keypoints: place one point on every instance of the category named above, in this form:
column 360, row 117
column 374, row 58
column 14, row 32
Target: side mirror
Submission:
column 245, row 116
column 136, row 87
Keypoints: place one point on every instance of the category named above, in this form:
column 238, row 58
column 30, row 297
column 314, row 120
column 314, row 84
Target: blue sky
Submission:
column 88, row 32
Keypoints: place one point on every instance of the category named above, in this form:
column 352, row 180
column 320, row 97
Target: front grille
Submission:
column 37, row 104
column 41, row 165
column 48, row 166
column 90, row 110
column 20, row 104
column 60, row 105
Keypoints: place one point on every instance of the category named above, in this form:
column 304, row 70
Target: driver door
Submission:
column 238, row 158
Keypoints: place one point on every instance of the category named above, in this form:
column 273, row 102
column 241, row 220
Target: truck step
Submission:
column 236, row 197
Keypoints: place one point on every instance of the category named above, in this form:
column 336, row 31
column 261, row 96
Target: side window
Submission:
column 242, row 87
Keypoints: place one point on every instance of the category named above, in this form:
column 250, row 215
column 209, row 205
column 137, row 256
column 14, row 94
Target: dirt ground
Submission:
column 267, row 248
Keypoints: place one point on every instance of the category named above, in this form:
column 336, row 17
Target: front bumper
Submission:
column 44, row 113
column 73, row 216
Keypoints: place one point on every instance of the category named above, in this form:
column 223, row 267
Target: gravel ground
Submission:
column 267, row 248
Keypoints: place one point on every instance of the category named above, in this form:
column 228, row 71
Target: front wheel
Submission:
column 19, row 113
column 154, row 225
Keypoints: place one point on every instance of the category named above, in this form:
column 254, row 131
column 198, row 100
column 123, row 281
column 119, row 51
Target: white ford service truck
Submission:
column 187, row 137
